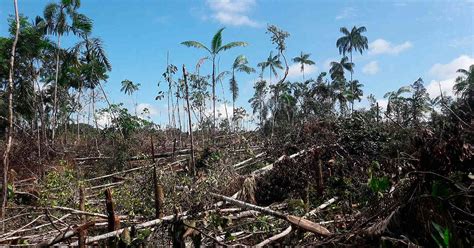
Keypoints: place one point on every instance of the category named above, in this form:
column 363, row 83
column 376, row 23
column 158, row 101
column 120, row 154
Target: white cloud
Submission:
column 346, row 13
column 445, row 71
column 445, row 75
column 381, row 46
column 151, row 109
column 383, row 103
column 371, row 68
column 103, row 119
column 446, row 86
column 327, row 63
column 234, row 13
column 295, row 70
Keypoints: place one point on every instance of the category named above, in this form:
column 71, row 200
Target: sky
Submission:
column 407, row 40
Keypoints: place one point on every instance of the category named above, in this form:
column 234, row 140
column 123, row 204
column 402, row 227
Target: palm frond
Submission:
column 195, row 44
column 217, row 41
column 232, row 45
column 81, row 24
column 222, row 75
column 245, row 68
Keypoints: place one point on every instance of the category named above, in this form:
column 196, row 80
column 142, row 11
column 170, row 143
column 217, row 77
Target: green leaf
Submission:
column 195, row 44
column 217, row 41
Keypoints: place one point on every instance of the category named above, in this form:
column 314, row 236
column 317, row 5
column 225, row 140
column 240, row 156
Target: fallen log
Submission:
column 275, row 237
column 136, row 158
column 298, row 221
column 323, row 206
column 265, row 169
column 67, row 235
column 119, row 231
column 240, row 164
column 289, row 228
column 130, row 170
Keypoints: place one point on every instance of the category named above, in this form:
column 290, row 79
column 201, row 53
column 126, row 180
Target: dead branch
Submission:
column 241, row 164
column 298, row 221
column 269, row 167
column 67, row 235
column 21, row 229
column 275, row 237
column 289, row 228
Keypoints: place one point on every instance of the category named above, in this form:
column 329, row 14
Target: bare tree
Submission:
column 6, row 156
column 185, row 77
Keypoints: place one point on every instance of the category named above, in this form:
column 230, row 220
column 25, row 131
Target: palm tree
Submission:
column 128, row 87
column 214, row 50
column 94, row 65
column 352, row 41
column 339, row 80
column 56, row 18
column 464, row 84
column 257, row 102
column 397, row 103
column 337, row 68
column 356, row 92
column 240, row 65
column 303, row 60
column 272, row 62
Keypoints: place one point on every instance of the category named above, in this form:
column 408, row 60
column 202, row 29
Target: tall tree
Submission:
column 214, row 50
column 186, row 91
column 257, row 102
column 128, row 87
column 336, row 71
column 464, row 85
column 355, row 92
column 94, row 65
column 420, row 101
column 240, row 65
column 303, row 60
column 62, row 18
column 272, row 63
column 398, row 105
column 6, row 156
column 352, row 41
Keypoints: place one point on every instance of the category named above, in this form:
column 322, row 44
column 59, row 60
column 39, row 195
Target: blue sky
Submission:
column 408, row 39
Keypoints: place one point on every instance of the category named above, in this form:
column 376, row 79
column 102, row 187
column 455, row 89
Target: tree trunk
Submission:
column 213, row 96
column 78, row 113
column 112, row 219
column 179, row 117
column 193, row 168
column 225, row 103
column 112, row 115
column 352, row 89
column 55, row 105
column 6, row 156
column 82, row 206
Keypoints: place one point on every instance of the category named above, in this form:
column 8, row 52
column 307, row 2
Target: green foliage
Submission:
column 59, row 187
column 136, row 200
column 218, row 222
column 123, row 120
column 440, row 189
column 442, row 236
column 263, row 224
column 296, row 206
column 379, row 184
